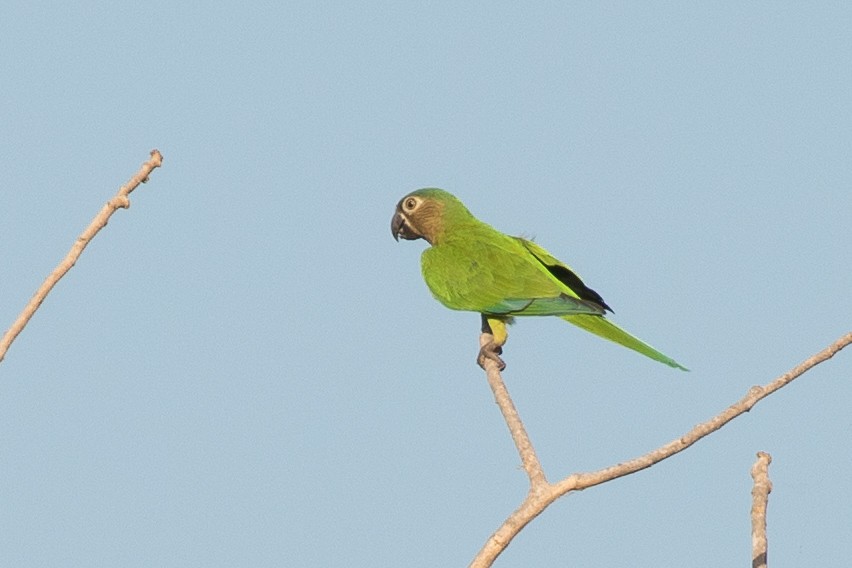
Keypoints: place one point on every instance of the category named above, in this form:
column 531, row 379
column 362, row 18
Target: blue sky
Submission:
column 244, row 369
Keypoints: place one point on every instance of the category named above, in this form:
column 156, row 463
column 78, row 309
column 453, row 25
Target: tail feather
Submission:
column 604, row 328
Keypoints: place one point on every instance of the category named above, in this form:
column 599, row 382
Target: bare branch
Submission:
column 543, row 494
column 120, row 201
column 519, row 434
column 760, row 499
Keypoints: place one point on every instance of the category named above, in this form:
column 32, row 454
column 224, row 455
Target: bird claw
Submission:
column 490, row 351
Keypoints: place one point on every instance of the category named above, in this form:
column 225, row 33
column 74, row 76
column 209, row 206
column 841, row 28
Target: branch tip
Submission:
column 760, row 499
column 120, row 201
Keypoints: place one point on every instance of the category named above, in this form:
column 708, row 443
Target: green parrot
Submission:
column 473, row 267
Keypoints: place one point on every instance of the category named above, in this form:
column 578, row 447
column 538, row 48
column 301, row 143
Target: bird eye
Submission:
column 410, row 203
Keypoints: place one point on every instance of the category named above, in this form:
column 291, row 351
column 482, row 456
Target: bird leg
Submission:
column 493, row 348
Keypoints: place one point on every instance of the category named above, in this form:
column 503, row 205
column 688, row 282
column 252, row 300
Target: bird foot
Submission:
column 490, row 351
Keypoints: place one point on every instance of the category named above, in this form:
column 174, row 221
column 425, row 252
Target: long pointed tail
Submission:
column 604, row 328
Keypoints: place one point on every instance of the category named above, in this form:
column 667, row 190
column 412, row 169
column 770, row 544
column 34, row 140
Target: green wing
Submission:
column 491, row 273
column 594, row 324
column 482, row 270
column 563, row 273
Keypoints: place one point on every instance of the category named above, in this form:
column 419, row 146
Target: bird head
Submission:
column 423, row 214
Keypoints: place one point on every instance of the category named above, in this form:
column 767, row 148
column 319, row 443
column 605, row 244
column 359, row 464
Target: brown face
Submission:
column 401, row 225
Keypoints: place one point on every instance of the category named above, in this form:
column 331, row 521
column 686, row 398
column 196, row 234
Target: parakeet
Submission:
column 471, row 266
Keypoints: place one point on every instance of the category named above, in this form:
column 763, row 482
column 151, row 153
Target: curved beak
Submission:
column 400, row 227
column 397, row 223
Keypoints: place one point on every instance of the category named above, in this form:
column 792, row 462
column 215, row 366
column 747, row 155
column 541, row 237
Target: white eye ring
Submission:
column 409, row 204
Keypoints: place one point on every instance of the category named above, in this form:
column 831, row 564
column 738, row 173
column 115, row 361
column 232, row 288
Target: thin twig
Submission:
column 760, row 498
column 543, row 494
column 120, row 201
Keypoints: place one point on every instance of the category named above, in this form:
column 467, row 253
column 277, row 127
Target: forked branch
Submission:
column 542, row 493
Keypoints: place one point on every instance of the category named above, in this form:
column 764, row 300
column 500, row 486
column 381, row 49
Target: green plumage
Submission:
column 473, row 267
